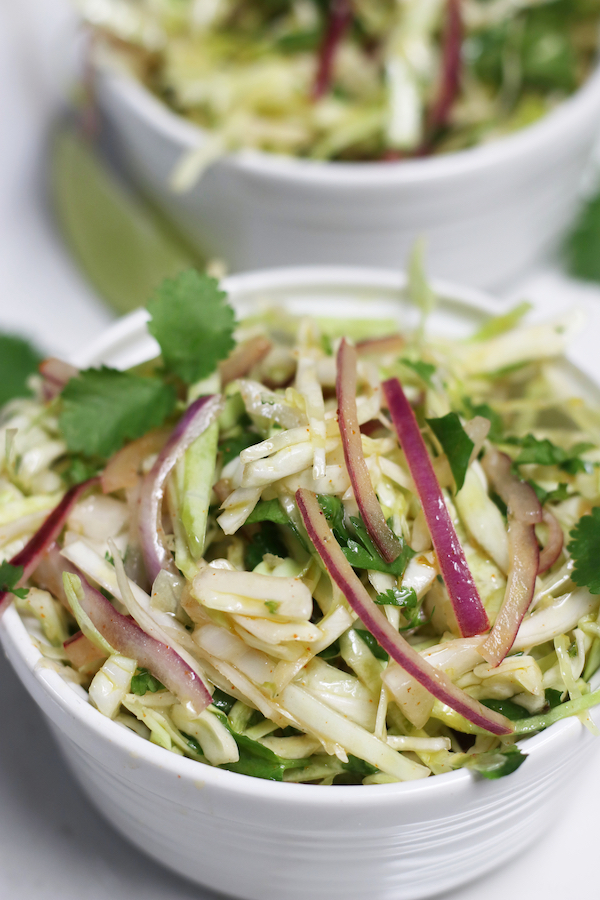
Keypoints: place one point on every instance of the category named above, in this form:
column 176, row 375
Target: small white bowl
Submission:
column 487, row 213
column 264, row 840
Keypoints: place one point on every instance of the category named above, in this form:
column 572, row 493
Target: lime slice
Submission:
column 120, row 242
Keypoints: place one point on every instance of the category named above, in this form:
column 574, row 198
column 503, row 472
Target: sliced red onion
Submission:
column 524, row 560
column 126, row 637
column 434, row 680
column 122, row 469
column 384, row 539
column 339, row 18
column 242, row 359
column 519, row 496
column 524, row 512
column 36, row 547
column 450, row 67
column 554, row 544
column 56, row 373
column 468, row 608
column 197, row 418
column 389, row 343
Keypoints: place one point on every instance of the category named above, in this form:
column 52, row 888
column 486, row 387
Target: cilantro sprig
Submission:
column 545, row 453
column 358, row 548
column 9, row 578
column 18, row 360
column 103, row 408
column 407, row 601
column 193, row 324
column 456, row 444
column 583, row 549
column 143, row 681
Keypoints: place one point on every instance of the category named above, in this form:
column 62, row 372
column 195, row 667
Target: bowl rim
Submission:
column 559, row 124
column 16, row 639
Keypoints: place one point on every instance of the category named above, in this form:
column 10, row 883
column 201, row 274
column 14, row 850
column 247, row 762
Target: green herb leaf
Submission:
column 359, row 549
column 553, row 697
column 9, row 578
column 260, row 762
column 583, row 549
column 406, row 599
column 268, row 511
column 496, row 431
column 497, row 763
column 330, row 652
column 507, row 708
column 583, row 259
column 267, row 540
column 223, row 701
column 544, row 496
column 360, row 766
column 372, row 643
column 79, row 469
column 423, row 369
column 545, row 453
column 234, row 446
column 104, row 408
column 18, row 360
column 192, row 323
column 143, row 681
column 456, row 443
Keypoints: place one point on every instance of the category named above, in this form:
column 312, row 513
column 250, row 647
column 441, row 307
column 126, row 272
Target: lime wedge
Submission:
column 120, row 242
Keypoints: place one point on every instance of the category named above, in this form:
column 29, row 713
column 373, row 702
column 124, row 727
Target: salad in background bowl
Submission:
column 334, row 575
column 489, row 208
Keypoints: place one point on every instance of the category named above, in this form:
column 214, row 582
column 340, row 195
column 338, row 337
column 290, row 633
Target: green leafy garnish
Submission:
column 407, row 601
column 372, row 643
column 18, row 360
column 272, row 606
column 268, row 511
column 496, row 431
column 507, row 708
column 584, row 549
column 358, row 548
column 234, row 446
column 104, row 408
column 423, row 369
column 79, row 469
column 260, row 762
column 496, row 763
column 553, row 697
column 143, row 681
column 360, row 766
column 9, row 578
column 266, row 540
column 330, row 652
column 559, row 493
column 223, row 701
column 545, row 453
column 456, row 443
column 193, row 324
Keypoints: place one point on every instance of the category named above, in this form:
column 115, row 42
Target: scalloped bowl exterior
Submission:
column 487, row 213
column 263, row 840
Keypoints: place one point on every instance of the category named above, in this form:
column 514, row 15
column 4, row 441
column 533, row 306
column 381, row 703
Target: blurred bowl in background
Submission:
column 487, row 213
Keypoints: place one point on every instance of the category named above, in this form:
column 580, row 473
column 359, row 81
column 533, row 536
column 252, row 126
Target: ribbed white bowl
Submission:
column 487, row 213
column 262, row 840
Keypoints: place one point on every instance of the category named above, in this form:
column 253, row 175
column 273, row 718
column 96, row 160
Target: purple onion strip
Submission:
column 36, row 547
column 339, row 19
column 126, row 637
column 197, row 418
column 468, row 608
column 435, row 681
column 384, row 539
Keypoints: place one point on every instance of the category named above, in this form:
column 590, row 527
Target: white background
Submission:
column 52, row 842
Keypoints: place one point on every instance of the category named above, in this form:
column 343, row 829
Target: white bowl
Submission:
column 487, row 213
column 263, row 840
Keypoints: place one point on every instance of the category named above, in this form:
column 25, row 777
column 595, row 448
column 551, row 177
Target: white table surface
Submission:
column 52, row 842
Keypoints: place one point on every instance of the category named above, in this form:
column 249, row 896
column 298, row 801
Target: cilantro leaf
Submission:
column 359, row 549
column 508, row 708
column 423, row 369
column 372, row 643
column 553, row 697
column 234, row 446
column 104, row 408
column 407, row 601
column 223, row 701
column 496, row 763
column 268, row 511
column 143, row 681
column 545, row 453
column 192, row 323
column 584, row 549
column 9, row 578
column 18, row 360
column 267, row 540
column 456, row 443
column 559, row 493
column 496, row 431
column 583, row 259
column 79, row 469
